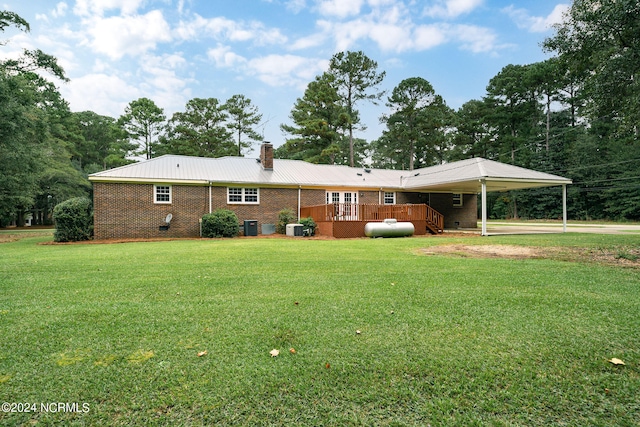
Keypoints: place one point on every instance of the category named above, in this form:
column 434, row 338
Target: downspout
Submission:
column 299, row 198
column 210, row 203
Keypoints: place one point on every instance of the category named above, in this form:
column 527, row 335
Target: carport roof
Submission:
column 464, row 176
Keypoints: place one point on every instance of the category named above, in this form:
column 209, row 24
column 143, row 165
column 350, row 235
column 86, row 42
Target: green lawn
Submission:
column 444, row 339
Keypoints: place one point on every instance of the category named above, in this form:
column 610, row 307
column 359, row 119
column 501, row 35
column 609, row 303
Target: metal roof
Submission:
column 466, row 176
column 462, row 176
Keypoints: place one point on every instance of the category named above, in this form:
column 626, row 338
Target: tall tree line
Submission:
column 575, row 114
column 47, row 151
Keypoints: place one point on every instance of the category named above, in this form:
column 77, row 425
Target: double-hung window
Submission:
column 457, row 200
column 389, row 198
column 243, row 195
column 162, row 194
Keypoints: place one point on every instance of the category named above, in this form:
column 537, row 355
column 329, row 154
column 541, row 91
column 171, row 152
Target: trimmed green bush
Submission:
column 220, row 223
column 286, row 216
column 308, row 226
column 74, row 220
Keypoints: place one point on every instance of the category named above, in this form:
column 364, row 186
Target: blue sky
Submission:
column 116, row 51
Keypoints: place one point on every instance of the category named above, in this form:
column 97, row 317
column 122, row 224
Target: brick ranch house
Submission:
column 133, row 201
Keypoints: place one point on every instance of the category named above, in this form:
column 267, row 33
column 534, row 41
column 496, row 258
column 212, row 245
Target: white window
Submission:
column 241, row 195
column 457, row 200
column 162, row 194
column 389, row 198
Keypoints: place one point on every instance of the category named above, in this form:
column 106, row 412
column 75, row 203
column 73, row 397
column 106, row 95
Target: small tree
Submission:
column 286, row 216
column 220, row 223
column 74, row 220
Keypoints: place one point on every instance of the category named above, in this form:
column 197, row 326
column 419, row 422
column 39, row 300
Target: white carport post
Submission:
column 564, row 208
column 484, row 207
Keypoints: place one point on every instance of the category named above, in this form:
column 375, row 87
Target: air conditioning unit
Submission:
column 294, row 230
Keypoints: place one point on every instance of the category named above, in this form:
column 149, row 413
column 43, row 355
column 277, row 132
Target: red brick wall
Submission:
column 466, row 216
column 128, row 210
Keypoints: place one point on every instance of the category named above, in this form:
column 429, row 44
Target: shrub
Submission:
column 286, row 216
column 74, row 220
column 308, row 226
column 220, row 223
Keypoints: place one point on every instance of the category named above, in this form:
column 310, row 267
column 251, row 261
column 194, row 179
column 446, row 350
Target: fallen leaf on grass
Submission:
column 616, row 361
column 327, row 366
column 292, row 350
column 202, row 353
column 274, row 352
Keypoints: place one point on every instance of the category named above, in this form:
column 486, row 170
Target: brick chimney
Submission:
column 266, row 156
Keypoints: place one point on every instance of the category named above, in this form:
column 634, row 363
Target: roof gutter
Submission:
column 148, row 180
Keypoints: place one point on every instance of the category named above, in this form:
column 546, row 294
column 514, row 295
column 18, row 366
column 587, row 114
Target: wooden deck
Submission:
column 348, row 219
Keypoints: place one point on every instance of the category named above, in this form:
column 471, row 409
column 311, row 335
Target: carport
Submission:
column 480, row 176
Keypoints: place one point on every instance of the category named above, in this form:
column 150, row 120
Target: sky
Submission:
column 171, row 51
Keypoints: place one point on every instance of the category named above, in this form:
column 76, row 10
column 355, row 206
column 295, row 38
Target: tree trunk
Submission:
column 351, row 162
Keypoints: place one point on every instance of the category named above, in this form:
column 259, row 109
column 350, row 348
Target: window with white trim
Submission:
column 242, row 195
column 162, row 194
column 457, row 200
column 389, row 198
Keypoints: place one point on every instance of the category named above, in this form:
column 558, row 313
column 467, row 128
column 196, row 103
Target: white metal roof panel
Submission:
column 461, row 176
column 241, row 170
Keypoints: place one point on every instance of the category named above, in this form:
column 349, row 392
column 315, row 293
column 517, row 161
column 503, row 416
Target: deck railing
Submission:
column 364, row 212
column 374, row 212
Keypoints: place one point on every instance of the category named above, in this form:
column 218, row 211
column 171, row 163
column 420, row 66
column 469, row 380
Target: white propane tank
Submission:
column 389, row 228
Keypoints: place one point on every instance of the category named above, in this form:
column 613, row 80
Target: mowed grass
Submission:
column 444, row 340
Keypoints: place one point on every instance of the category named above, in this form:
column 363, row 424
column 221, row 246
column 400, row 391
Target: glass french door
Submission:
column 345, row 205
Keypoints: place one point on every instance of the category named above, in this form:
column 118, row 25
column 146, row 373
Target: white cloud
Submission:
column 451, row 8
column 339, row 8
column 393, row 31
column 60, row 10
column 224, row 57
column 286, row 70
column 474, row 38
column 158, row 77
column 222, row 28
column 346, row 34
column 536, row 24
column 98, row 7
column 296, row 6
column 429, row 36
column 109, row 94
column 314, row 40
column 127, row 35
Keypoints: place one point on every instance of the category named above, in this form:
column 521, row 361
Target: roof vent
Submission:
column 367, row 170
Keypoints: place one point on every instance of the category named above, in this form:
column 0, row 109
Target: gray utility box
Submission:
column 294, row 230
column 251, row 227
column 268, row 228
